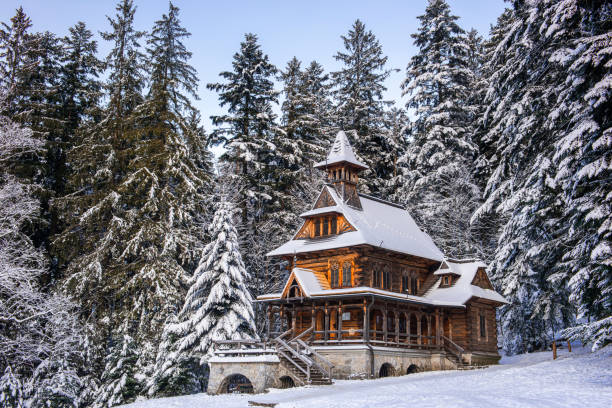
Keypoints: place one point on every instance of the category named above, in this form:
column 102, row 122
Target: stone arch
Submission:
column 386, row 370
column 236, row 383
column 412, row 368
column 287, row 382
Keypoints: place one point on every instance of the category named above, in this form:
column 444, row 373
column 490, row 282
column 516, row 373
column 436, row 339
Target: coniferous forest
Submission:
column 127, row 247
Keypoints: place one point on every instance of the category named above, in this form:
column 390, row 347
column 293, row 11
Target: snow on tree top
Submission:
column 340, row 152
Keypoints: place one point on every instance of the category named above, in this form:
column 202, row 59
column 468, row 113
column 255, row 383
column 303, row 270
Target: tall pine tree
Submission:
column 439, row 188
column 358, row 91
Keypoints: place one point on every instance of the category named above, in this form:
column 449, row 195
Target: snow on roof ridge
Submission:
column 465, row 260
column 381, row 200
column 341, row 151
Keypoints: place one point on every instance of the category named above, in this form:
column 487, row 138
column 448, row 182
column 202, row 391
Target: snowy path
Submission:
column 579, row 379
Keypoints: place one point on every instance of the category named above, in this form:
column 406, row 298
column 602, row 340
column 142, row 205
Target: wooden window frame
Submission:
column 413, row 285
column 482, row 326
column 331, row 274
column 317, row 227
column 344, row 283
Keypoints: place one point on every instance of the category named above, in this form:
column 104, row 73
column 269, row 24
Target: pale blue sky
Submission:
column 308, row 29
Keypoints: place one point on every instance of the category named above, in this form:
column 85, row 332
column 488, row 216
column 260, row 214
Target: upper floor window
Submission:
column 335, row 274
column 405, row 283
column 413, row 285
column 347, row 274
column 386, row 278
column 375, row 277
column 446, row 280
column 324, row 226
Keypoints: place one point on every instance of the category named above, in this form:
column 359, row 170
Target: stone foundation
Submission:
column 361, row 362
column 350, row 362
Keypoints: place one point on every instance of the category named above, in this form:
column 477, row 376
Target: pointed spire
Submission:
column 341, row 152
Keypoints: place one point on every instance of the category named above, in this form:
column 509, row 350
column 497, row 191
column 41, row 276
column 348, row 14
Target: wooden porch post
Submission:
column 293, row 321
column 326, row 328
column 366, row 322
column 281, row 316
column 419, row 334
column 408, row 321
column 313, row 323
column 339, row 336
column 438, row 327
column 397, row 330
column 429, row 328
column 385, row 324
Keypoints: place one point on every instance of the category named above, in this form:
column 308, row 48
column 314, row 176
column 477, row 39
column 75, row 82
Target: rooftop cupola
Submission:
column 343, row 167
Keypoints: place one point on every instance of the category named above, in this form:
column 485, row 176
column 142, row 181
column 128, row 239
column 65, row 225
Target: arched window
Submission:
column 335, row 274
column 347, row 273
column 386, row 277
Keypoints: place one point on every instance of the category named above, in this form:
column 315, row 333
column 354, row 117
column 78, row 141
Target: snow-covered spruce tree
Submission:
column 125, row 63
column 437, row 163
column 80, row 88
column 139, row 227
column 358, row 92
column 543, row 127
column 39, row 331
column 248, row 132
column 581, row 118
column 396, row 127
column 11, row 390
column 218, row 306
column 120, row 384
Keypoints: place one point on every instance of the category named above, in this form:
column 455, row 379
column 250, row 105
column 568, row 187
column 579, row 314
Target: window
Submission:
column 446, row 281
column 347, row 275
column 325, row 226
column 334, row 225
column 413, row 285
column 317, row 227
column 335, row 274
column 346, row 316
column 405, row 283
column 375, row 279
column 483, row 327
column 386, row 281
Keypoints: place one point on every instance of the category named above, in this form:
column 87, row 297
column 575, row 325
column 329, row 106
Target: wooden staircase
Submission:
column 308, row 366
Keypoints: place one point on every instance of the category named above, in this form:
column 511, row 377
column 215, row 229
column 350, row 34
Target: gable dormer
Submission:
column 343, row 168
column 482, row 280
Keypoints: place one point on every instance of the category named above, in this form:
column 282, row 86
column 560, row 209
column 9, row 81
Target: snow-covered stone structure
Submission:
column 370, row 294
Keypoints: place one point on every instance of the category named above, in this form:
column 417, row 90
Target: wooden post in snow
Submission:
column 554, row 350
column 569, row 346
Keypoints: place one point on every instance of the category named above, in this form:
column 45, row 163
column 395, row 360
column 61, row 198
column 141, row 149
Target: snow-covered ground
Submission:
column 577, row 379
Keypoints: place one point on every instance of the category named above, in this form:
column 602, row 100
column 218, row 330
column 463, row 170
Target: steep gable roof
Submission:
column 464, row 288
column 378, row 223
column 341, row 152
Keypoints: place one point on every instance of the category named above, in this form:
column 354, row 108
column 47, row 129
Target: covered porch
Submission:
column 364, row 320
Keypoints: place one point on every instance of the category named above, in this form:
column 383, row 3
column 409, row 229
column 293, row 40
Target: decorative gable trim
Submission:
column 325, row 200
column 288, row 285
column 482, row 280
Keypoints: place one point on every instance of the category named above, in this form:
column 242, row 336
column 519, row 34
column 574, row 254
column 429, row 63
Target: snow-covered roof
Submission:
column 310, row 283
column 377, row 223
column 341, row 151
column 463, row 289
column 307, row 280
column 322, row 210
